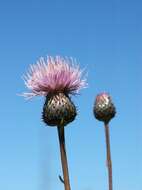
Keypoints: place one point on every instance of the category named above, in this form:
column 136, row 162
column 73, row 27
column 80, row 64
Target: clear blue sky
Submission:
column 106, row 38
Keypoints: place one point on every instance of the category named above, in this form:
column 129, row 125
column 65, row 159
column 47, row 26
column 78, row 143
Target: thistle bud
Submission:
column 104, row 109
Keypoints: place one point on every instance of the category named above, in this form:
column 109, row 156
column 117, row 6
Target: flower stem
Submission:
column 64, row 157
column 109, row 163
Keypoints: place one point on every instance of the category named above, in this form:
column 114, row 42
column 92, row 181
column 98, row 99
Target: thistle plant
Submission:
column 56, row 79
column 104, row 110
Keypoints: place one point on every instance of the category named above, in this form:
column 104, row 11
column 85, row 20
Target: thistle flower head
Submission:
column 54, row 75
column 104, row 109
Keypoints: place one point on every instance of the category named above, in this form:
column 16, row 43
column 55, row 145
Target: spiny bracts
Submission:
column 58, row 110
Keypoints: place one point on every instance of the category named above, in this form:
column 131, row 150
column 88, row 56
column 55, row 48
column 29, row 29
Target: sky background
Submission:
column 106, row 38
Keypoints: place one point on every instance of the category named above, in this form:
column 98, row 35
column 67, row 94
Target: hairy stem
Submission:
column 64, row 157
column 109, row 163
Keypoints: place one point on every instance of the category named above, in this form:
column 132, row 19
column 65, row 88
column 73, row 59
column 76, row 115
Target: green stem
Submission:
column 109, row 162
column 64, row 157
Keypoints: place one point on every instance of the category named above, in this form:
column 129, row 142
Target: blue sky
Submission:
column 106, row 38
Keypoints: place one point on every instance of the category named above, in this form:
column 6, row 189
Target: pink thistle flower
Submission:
column 56, row 78
column 53, row 75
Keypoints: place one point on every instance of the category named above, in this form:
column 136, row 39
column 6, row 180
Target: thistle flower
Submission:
column 104, row 110
column 53, row 75
column 55, row 78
